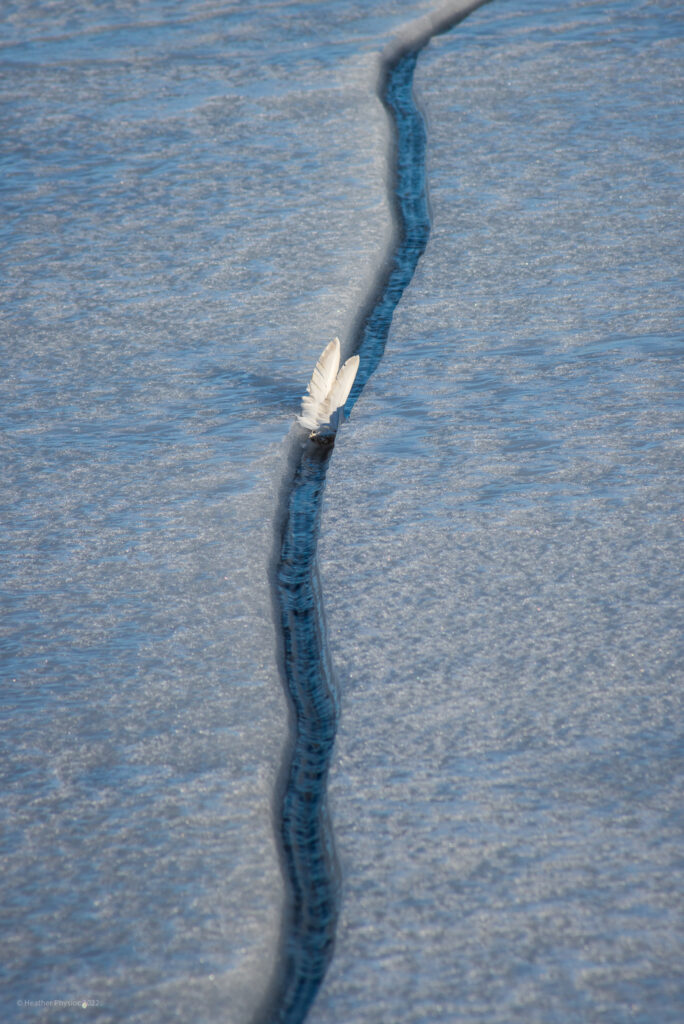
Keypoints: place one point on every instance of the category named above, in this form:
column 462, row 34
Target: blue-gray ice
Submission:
column 194, row 200
column 501, row 549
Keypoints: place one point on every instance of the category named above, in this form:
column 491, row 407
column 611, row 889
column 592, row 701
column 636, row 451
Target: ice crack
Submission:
column 306, row 837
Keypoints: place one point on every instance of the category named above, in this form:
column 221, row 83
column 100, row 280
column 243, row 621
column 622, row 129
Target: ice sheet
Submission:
column 193, row 202
column 501, row 549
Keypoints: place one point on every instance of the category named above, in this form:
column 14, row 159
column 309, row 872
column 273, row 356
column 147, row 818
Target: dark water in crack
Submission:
column 307, row 839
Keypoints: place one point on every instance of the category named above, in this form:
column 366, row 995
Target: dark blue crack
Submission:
column 306, row 839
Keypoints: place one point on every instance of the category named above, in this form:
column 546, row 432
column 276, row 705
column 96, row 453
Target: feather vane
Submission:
column 327, row 391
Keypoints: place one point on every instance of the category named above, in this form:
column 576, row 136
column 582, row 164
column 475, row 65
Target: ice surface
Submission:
column 193, row 202
column 501, row 549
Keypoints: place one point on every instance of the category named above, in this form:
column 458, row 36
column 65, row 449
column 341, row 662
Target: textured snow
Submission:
column 193, row 201
column 501, row 549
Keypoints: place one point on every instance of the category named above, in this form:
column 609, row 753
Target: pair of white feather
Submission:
column 328, row 390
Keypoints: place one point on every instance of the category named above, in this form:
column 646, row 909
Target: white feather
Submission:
column 339, row 392
column 319, row 386
column 328, row 390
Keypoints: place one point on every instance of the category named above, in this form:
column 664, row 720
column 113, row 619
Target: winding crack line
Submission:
column 307, row 849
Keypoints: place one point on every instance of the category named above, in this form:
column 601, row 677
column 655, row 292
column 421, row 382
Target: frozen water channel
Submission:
column 194, row 201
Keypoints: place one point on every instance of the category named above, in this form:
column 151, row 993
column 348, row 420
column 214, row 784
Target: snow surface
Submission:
column 501, row 549
column 193, row 203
